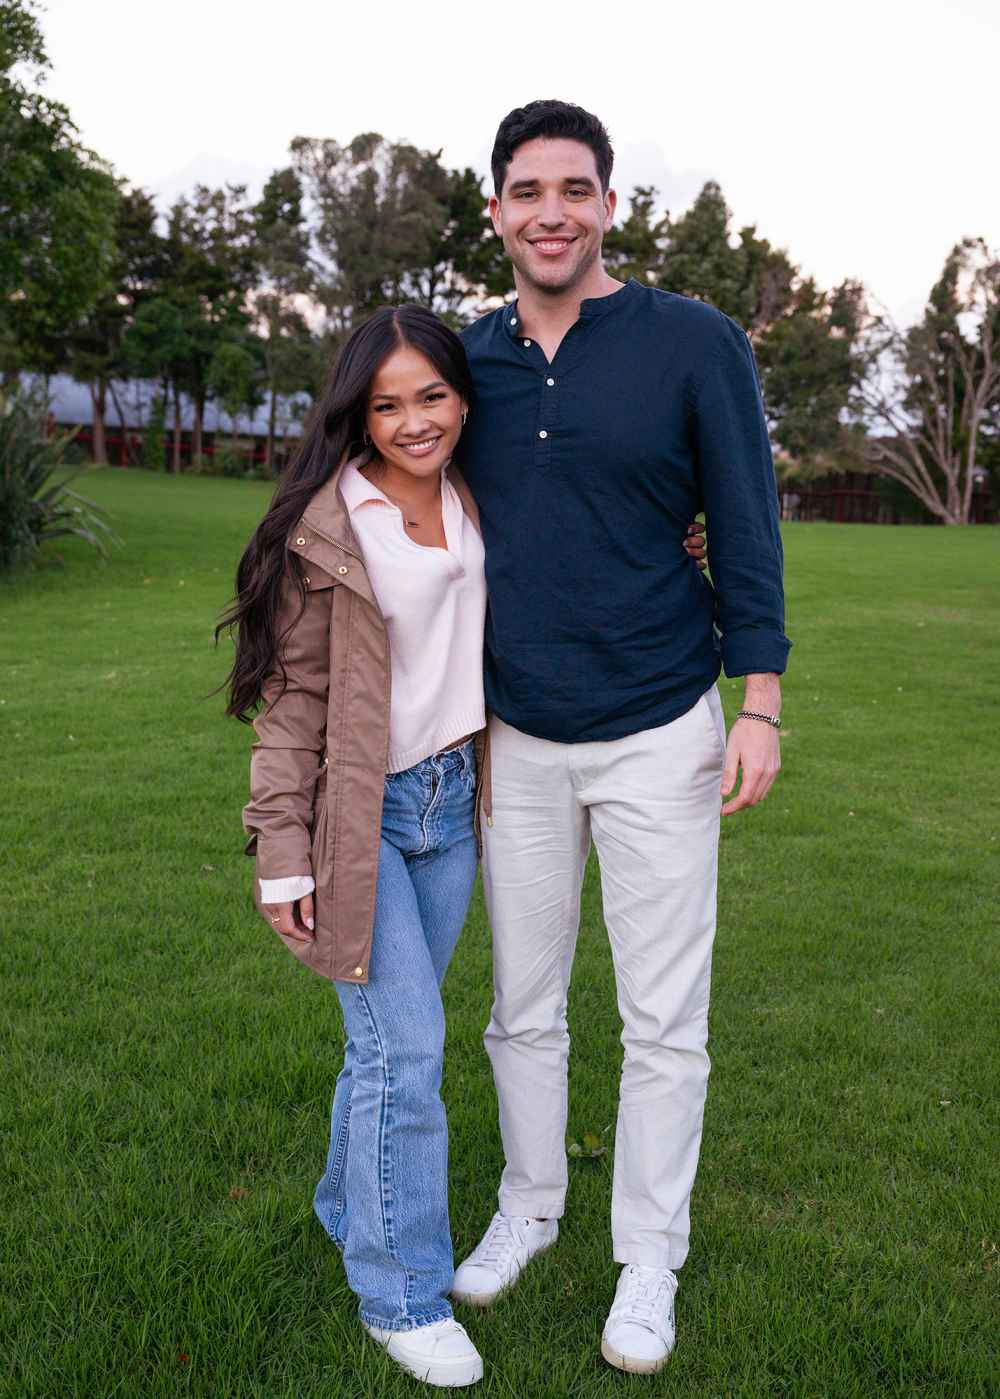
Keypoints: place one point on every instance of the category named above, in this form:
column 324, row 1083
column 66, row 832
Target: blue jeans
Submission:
column 384, row 1196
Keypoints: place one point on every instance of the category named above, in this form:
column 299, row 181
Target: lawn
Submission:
column 168, row 1066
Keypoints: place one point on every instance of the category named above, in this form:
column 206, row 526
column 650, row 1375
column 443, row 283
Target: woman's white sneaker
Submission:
column 639, row 1333
column 437, row 1354
column 509, row 1243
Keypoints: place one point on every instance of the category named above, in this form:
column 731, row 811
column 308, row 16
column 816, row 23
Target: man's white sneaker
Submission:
column 496, row 1263
column 437, row 1354
column 639, row 1333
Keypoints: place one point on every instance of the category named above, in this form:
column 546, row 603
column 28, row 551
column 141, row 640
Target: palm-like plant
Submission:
column 36, row 501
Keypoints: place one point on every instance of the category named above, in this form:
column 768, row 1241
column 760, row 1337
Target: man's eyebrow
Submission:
column 516, row 185
column 437, row 384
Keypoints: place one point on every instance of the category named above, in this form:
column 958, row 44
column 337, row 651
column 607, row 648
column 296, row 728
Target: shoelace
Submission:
column 499, row 1242
column 640, row 1296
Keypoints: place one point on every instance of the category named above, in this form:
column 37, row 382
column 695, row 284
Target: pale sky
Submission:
column 860, row 136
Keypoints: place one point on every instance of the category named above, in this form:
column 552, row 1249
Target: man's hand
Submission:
column 753, row 748
column 283, row 919
column 694, row 543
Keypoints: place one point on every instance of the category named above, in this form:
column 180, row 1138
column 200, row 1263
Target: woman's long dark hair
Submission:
column 334, row 433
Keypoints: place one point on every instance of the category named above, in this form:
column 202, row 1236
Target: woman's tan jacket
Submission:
column 318, row 766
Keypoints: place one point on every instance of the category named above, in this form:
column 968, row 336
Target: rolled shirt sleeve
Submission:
column 286, row 891
column 741, row 507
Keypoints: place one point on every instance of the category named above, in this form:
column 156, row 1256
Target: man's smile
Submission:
column 551, row 247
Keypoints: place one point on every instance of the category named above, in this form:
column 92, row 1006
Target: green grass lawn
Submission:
column 167, row 1066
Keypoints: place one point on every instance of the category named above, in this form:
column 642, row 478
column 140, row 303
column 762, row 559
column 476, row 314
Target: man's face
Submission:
column 551, row 214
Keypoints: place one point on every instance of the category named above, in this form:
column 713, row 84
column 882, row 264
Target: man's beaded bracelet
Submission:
column 771, row 719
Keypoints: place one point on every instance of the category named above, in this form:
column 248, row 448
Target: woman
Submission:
column 359, row 615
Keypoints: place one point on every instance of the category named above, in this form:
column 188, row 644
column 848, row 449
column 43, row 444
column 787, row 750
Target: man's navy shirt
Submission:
column 587, row 472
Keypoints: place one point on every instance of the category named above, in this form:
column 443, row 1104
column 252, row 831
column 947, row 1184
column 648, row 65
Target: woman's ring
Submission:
column 276, row 920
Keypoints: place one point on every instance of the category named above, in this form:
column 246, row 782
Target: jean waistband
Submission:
column 461, row 757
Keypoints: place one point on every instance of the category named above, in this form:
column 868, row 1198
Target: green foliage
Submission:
column 635, row 247
column 59, row 204
column 21, row 38
column 154, row 437
column 96, row 348
column 36, row 501
column 392, row 224
column 229, row 461
column 211, row 270
column 233, row 379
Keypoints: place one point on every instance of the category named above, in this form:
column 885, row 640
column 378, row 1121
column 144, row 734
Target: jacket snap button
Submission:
column 342, row 568
column 359, row 971
column 301, row 539
column 307, row 579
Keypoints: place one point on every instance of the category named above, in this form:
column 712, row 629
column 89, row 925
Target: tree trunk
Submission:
column 175, row 464
column 271, row 417
column 199, row 421
column 123, row 452
column 98, row 441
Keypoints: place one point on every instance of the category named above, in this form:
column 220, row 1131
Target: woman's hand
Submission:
column 293, row 920
column 694, row 543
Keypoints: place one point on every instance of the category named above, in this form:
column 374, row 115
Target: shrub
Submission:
column 230, row 461
column 36, row 502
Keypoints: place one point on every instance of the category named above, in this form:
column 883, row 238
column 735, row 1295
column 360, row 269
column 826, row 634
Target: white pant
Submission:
column 651, row 803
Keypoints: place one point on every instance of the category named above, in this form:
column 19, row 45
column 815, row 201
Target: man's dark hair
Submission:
column 556, row 120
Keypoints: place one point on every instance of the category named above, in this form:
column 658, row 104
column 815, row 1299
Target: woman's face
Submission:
column 414, row 418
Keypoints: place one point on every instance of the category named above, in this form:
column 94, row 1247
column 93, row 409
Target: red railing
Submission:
column 847, row 505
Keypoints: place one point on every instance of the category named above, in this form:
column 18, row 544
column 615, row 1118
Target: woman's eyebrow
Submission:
column 437, row 384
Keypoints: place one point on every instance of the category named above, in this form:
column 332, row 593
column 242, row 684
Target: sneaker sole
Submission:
column 448, row 1375
column 631, row 1363
column 486, row 1299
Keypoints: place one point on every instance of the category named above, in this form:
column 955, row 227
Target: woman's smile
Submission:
column 423, row 448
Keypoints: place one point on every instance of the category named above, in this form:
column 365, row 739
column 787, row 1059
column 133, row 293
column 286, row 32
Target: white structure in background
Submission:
column 70, row 405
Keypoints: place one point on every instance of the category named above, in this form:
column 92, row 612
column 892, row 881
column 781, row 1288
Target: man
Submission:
column 607, row 416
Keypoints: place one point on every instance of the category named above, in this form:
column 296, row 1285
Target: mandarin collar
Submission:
column 590, row 309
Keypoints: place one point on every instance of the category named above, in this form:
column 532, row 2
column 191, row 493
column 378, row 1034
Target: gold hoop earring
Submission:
column 465, row 416
column 365, row 437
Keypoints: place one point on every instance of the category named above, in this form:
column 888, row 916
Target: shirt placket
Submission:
column 547, row 418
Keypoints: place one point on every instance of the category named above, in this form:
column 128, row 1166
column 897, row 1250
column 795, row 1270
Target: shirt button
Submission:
column 513, row 320
column 527, row 344
column 307, row 579
column 543, row 433
column 342, row 569
column 301, row 539
column 550, row 382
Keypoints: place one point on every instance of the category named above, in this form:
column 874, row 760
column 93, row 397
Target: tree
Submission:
column 95, row 346
column 232, row 377
column 392, row 224
column 929, row 403
column 281, row 240
column 158, row 346
column 211, row 270
column 810, row 366
column 57, row 206
column 635, row 248
column 466, row 259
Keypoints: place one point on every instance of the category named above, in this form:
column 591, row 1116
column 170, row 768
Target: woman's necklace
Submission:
column 411, row 524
